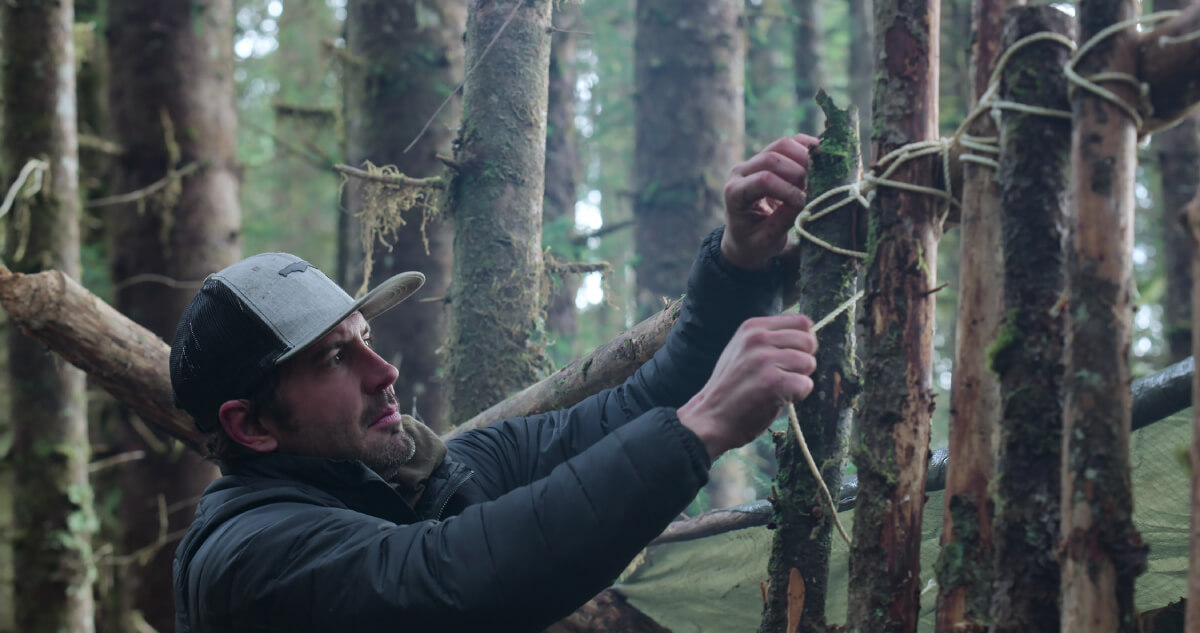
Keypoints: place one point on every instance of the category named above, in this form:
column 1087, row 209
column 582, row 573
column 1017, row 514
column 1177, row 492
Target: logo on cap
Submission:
column 298, row 267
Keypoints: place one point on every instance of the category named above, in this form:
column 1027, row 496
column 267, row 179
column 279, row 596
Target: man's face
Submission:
column 340, row 403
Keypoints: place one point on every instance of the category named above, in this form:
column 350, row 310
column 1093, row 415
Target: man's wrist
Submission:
column 691, row 418
column 745, row 259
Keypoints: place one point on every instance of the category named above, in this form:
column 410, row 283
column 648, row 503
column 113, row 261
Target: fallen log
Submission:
column 128, row 360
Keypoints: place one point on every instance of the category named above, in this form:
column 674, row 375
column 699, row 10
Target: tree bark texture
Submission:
column 53, row 517
column 496, row 332
column 803, row 521
column 891, row 447
column 172, row 106
column 119, row 355
column 862, row 69
column 964, row 564
column 409, row 58
column 808, row 48
column 1102, row 552
column 689, row 118
column 1027, row 354
column 563, row 168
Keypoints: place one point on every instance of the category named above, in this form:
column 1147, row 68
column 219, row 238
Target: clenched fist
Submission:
column 766, row 364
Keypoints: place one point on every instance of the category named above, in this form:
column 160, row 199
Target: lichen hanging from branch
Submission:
column 388, row 197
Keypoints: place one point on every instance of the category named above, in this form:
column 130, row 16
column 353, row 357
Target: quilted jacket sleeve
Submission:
column 514, row 452
column 516, row 563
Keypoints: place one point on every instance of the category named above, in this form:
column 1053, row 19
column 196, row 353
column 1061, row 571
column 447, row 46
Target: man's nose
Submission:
column 382, row 373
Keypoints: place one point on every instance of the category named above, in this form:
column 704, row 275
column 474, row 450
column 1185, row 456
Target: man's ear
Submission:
column 244, row 427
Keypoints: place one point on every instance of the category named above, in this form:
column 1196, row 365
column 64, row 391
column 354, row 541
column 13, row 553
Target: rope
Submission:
column 989, row 103
column 1087, row 83
column 794, row 420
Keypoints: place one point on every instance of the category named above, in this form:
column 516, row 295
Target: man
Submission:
column 338, row 513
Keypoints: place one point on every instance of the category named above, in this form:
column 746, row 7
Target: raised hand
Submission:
column 762, row 199
column 766, row 364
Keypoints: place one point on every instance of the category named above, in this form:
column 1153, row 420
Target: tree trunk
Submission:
column 804, row 525
column 964, row 564
column 1178, row 152
column 1192, row 622
column 892, row 449
column 808, row 46
column 172, row 105
column 563, row 169
column 496, row 335
column 410, row 58
column 1179, row 165
column 290, row 205
column 689, row 73
column 1027, row 354
column 1102, row 553
column 53, row 516
column 770, row 83
column 862, row 69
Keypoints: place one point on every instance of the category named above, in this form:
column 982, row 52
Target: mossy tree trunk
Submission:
column 891, row 447
column 689, row 116
column 804, row 525
column 563, row 168
column 408, row 58
column 861, row 69
column 964, row 564
column 1102, row 552
column 172, row 106
column 1027, row 355
column 496, row 331
column 52, row 499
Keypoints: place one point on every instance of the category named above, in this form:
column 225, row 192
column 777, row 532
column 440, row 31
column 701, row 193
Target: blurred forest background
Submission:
column 227, row 120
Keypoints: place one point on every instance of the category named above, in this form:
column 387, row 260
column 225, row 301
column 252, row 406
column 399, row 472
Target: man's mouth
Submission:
column 388, row 417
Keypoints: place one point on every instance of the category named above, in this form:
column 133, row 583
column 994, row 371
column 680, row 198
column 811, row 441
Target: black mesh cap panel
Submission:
column 221, row 351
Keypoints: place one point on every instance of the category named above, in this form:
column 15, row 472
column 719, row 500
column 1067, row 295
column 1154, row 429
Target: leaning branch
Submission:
column 354, row 172
column 607, row 366
column 144, row 192
column 123, row 357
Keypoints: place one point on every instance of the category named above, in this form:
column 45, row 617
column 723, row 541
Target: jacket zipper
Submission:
column 453, row 488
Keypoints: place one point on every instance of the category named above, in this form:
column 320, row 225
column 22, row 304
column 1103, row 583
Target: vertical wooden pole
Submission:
column 964, row 565
column 1103, row 553
column 1027, row 355
column 891, row 448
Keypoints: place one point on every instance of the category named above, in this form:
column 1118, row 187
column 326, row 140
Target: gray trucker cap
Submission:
column 256, row 314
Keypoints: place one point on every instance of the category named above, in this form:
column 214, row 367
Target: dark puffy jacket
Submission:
column 523, row 522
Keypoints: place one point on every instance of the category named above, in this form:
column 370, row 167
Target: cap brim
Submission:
column 382, row 298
